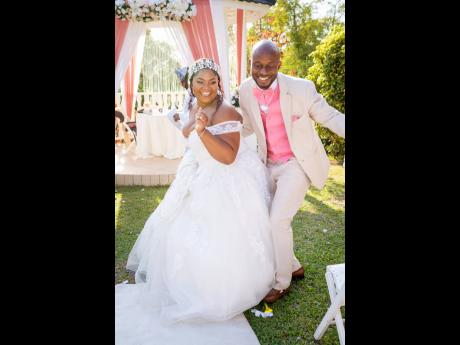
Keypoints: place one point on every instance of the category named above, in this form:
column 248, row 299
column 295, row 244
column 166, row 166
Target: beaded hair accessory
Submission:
column 204, row 64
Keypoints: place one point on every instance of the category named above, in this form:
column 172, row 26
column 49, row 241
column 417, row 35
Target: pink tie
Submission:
column 262, row 94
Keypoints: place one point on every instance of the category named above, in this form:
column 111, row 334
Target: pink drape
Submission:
column 121, row 27
column 129, row 86
column 239, row 42
column 200, row 32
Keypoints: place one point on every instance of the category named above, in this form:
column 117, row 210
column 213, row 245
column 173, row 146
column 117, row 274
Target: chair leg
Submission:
column 338, row 301
column 321, row 329
column 340, row 328
column 338, row 317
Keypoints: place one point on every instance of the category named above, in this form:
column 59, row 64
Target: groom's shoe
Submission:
column 275, row 295
column 299, row 274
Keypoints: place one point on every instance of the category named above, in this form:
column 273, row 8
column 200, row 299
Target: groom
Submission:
column 279, row 109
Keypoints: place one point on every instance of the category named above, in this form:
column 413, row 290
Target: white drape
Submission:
column 176, row 33
column 243, row 48
column 134, row 32
column 220, row 30
column 137, row 71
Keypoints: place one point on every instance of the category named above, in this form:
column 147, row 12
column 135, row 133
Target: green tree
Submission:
column 328, row 74
column 290, row 24
column 304, row 33
column 335, row 13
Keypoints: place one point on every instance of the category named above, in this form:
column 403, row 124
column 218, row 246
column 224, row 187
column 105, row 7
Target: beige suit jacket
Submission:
column 300, row 104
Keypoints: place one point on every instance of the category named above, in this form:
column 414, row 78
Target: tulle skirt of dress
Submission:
column 205, row 254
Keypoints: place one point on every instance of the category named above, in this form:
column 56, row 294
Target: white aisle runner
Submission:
column 136, row 324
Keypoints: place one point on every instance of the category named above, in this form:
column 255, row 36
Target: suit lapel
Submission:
column 257, row 116
column 285, row 104
column 255, row 111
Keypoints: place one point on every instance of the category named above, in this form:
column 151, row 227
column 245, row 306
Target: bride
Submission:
column 205, row 254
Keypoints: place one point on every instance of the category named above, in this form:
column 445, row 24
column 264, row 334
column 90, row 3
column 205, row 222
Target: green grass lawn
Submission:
column 319, row 240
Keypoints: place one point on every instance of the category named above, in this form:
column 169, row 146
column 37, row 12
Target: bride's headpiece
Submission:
column 204, row 64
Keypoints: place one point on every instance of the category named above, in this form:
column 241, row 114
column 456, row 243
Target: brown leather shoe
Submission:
column 275, row 295
column 299, row 274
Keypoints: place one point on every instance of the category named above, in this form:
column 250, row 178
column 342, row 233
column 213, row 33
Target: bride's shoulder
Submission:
column 226, row 112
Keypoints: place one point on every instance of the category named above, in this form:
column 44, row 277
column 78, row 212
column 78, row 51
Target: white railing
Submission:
column 163, row 100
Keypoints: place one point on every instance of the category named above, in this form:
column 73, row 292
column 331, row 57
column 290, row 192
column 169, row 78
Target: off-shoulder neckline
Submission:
column 220, row 123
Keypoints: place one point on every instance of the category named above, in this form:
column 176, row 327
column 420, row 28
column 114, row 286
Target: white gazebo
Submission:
column 197, row 27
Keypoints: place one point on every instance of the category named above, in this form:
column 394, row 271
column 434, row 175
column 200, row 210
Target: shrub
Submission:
column 328, row 74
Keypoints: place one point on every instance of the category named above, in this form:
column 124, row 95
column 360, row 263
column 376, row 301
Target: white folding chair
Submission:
column 335, row 278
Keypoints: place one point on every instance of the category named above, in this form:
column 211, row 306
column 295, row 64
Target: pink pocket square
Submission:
column 294, row 118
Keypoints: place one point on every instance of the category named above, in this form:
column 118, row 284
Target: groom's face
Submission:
column 264, row 68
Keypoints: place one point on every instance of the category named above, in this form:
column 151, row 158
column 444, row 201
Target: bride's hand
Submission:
column 201, row 120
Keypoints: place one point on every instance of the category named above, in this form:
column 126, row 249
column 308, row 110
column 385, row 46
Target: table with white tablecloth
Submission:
column 157, row 136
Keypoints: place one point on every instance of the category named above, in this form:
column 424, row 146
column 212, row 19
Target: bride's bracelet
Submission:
column 199, row 135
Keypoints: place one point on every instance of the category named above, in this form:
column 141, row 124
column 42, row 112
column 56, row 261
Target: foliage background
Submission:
column 328, row 74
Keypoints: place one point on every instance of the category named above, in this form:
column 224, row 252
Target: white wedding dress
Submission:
column 204, row 256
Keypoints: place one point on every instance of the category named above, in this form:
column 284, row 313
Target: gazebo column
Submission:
column 241, row 44
column 220, row 29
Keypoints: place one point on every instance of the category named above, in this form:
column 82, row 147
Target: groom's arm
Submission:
column 247, row 126
column 320, row 111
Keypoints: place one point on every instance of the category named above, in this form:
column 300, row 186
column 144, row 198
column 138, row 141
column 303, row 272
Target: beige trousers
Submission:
column 289, row 186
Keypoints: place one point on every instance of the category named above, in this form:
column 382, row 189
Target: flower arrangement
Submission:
column 151, row 10
column 236, row 99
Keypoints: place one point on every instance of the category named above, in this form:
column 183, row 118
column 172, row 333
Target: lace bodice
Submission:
column 225, row 127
